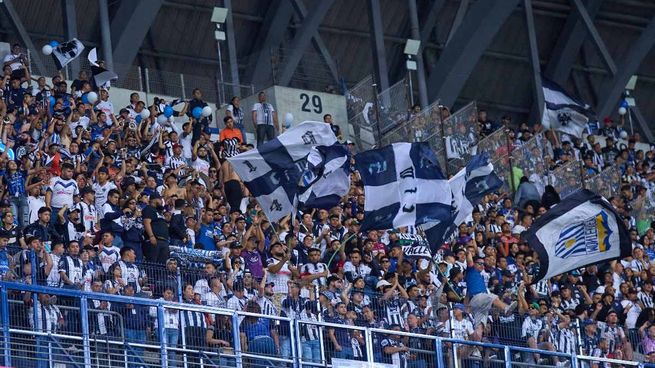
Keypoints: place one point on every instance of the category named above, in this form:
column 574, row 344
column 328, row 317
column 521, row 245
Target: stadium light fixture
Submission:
column 412, row 48
column 219, row 15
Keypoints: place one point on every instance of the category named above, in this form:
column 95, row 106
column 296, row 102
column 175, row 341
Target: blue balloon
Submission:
column 624, row 103
column 52, row 101
column 54, row 43
column 197, row 112
column 168, row 111
column 85, row 98
column 138, row 119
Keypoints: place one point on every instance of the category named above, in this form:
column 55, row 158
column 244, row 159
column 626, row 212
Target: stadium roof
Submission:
column 180, row 39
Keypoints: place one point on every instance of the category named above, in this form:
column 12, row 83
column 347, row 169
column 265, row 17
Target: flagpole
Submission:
column 509, row 160
column 378, row 141
column 443, row 139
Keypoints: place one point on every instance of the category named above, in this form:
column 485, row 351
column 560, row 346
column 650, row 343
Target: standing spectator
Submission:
column 280, row 271
column 130, row 272
column 62, row 190
column 155, row 249
column 235, row 112
column 17, row 61
column 135, row 318
column 102, row 188
column 264, row 118
column 70, row 267
column 43, row 229
column 171, row 325
column 202, row 125
column 327, row 118
column 194, row 325
column 112, row 218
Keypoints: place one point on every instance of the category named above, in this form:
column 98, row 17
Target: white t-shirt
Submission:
column 201, row 166
column 16, row 64
column 186, row 145
column 34, row 204
column 261, row 114
column 106, row 107
column 280, row 278
column 63, row 192
column 101, row 195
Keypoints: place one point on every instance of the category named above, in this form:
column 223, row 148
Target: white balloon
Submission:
column 624, row 134
column 47, row 49
column 622, row 110
column 161, row 119
column 206, row 111
column 92, row 97
column 288, row 120
column 145, row 113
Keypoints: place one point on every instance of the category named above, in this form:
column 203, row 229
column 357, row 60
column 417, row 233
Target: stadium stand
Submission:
column 127, row 240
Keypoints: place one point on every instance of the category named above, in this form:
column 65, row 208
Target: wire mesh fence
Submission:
column 567, row 179
column 359, row 96
column 606, row 183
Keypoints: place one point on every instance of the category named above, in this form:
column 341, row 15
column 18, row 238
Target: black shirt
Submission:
column 159, row 225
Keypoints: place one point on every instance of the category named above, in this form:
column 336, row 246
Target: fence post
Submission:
column 297, row 342
column 582, row 175
column 237, row 340
column 509, row 161
column 141, row 87
column 368, row 336
column 438, row 344
column 574, row 361
column 182, row 85
column 508, row 357
column 147, row 81
column 179, row 285
column 294, row 350
column 376, row 106
column 84, row 312
column 161, row 330
column 4, row 300
column 35, row 296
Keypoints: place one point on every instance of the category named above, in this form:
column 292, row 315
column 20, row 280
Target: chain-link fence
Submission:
column 153, row 81
column 417, row 128
column 359, row 96
column 461, row 136
column 606, row 183
column 393, row 105
column 567, row 179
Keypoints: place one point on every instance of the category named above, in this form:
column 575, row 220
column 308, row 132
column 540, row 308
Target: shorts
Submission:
column 480, row 306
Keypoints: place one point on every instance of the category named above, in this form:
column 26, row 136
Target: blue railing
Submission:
column 440, row 343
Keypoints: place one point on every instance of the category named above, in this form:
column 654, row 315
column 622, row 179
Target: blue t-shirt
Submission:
column 205, row 237
column 474, row 282
column 260, row 328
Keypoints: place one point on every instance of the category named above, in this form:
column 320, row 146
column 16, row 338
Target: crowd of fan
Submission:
column 93, row 199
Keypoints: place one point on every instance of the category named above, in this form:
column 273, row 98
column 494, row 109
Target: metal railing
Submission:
column 368, row 344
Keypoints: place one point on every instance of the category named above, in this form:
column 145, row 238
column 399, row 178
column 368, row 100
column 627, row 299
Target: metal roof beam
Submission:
column 129, row 28
column 13, row 17
column 377, row 45
column 595, row 36
column 270, row 35
column 70, row 30
column 612, row 89
column 232, row 49
column 643, row 124
column 538, row 96
column 565, row 52
column 316, row 39
column 468, row 44
column 431, row 20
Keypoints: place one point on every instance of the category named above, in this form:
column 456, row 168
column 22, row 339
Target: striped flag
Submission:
column 468, row 188
column 564, row 112
column 581, row 230
column 327, row 177
column 404, row 186
column 272, row 171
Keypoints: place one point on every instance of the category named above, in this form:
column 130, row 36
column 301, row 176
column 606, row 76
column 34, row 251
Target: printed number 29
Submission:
column 316, row 104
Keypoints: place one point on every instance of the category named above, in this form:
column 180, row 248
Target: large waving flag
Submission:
column 327, row 177
column 581, row 230
column 468, row 188
column 404, row 186
column 564, row 112
column 273, row 170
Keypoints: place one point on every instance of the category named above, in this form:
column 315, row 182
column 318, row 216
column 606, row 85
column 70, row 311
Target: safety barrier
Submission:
column 297, row 342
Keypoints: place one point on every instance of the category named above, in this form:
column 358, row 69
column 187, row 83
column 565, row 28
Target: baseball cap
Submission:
column 459, row 306
column 382, row 283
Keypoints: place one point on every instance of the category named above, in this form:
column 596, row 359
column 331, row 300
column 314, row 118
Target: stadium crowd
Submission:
column 98, row 198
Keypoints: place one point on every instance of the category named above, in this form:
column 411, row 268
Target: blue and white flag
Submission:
column 66, row 52
column 327, row 177
column 273, row 170
column 468, row 187
column 581, row 230
column 564, row 112
column 404, row 186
